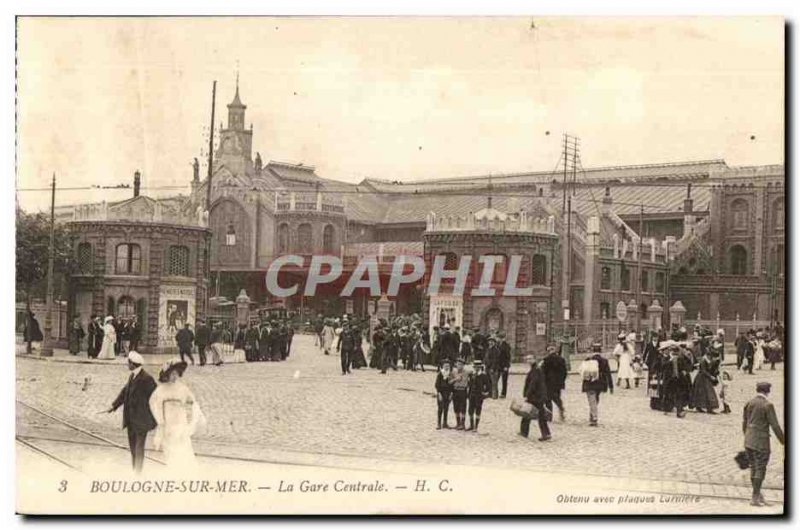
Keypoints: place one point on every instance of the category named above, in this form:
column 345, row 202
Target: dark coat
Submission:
column 185, row 339
column 759, row 416
column 443, row 385
column 201, row 335
column 604, row 383
column 650, row 355
column 135, row 401
column 535, row 390
column 555, row 372
column 480, row 386
column 504, row 361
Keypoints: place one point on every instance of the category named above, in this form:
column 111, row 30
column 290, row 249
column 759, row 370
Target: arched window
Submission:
column 129, row 259
column 327, row 239
column 230, row 236
column 645, row 281
column 739, row 214
column 126, row 307
column 738, row 260
column 283, row 238
column 539, row 270
column 605, row 278
column 178, row 261
column 305, row 244
column 85, row 258
column 778, row 215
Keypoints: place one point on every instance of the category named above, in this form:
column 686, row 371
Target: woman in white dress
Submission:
column 328, row 334
column 177, row 415
column 109, row 340
column 623, row 352
column 759, row 357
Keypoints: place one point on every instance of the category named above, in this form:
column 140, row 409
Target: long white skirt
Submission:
column 625, row 370
column 107, row 351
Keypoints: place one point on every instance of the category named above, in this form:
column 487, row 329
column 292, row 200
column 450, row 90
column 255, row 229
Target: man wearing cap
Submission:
column 444, row 392
column 759, row 417
column 535, row 393
column 492, row 360
column 135, row 401
column 479, row 389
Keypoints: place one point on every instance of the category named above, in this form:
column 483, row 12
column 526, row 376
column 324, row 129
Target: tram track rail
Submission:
column 32, row 443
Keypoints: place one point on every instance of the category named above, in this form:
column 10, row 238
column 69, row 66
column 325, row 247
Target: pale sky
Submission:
column 403, row 98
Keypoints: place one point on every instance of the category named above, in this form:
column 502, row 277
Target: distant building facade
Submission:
column 139, row 258
column 701, row 233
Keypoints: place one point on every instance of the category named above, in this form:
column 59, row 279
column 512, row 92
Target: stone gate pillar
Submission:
column 677, row 314
column 654, row 315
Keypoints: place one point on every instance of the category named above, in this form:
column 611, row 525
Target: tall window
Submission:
column 500, row 269
column 605, row 278
column 779, row 259
column 625, row 278
column 539, row 270
column 659, row 282
column 327, row 239
column 178, row 261
column 304, row 239
column 738, row 260
column 85, row 258
column 230, row 236
column 126, row 307
column 129, row 259
column 283, row 238
column 739, row 213
column 778, row 215
column 645, row 281
column 605, row 310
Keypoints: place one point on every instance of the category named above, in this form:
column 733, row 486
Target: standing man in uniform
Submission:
column 346, row 346
column 759, row 417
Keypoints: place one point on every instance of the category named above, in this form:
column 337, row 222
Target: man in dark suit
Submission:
column 535, row 392
column 759, row 417
column 555, row 374
column 135, row 401
column 201, row 336
column 505, row 363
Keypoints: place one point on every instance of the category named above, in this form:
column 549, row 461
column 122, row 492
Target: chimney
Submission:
column 607, row 201
column 137, row 182
column 688, row 203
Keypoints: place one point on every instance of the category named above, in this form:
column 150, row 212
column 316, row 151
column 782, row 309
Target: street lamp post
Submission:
column 47, row 340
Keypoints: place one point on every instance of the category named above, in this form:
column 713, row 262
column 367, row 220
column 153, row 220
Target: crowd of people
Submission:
column 105, row 337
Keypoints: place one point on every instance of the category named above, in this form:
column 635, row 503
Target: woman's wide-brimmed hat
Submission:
column 174, row 365
column 108, row 318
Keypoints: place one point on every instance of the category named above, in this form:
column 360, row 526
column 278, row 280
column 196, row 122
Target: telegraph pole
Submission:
column 639, row 267
column 208, row 196
column 47, row 341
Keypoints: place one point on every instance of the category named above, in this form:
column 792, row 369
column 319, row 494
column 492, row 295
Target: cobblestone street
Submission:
column 306, row 405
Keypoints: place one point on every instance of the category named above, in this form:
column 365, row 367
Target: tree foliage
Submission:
column 33, row 242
